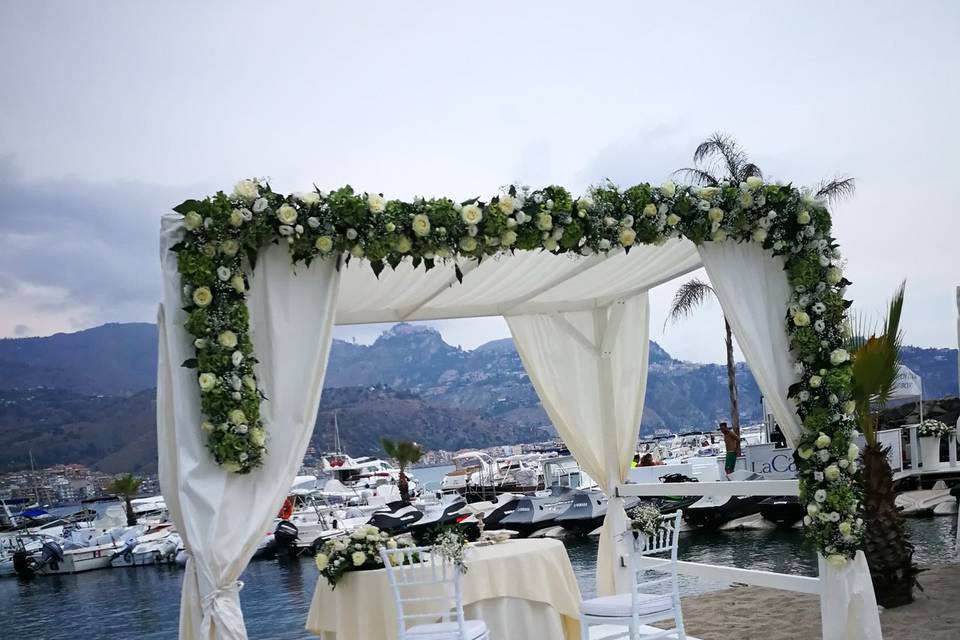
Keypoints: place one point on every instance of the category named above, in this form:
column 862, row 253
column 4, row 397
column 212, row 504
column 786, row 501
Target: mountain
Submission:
column 87, row 396
column 112, row 359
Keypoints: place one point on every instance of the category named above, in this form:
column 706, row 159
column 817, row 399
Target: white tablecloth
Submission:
column 522, row 589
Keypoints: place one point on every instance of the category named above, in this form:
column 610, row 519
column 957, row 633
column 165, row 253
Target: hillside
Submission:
column 87, row 396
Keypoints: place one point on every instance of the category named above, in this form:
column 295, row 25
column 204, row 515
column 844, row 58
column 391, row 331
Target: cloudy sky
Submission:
column 110, row 113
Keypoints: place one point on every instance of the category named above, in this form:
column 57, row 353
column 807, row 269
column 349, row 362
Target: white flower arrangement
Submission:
column 646, row 520
column 451, row 544
column 933, row 429
column 357, row 552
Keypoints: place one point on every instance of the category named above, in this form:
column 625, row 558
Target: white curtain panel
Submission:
column 754, row 293
column 752, row 287
column 589, row 369
column 223, row 516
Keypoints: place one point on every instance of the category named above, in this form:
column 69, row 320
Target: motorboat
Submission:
column 587, row 511
column 783, row 511
column 157, row 547
column 712, row 511
column 536, row 512
column 401, row 517
column 361, row 473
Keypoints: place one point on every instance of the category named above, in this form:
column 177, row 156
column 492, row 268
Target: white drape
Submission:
column 590, row 370
column 223, row 516
column 754, row 293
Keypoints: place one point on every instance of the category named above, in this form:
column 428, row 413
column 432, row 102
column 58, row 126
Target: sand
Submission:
column 755, row 613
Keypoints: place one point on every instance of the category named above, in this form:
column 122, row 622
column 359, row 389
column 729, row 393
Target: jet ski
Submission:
column 783, row 511
column 586, row 512
column 712, row 511
column 533, row 513
column 401, row 517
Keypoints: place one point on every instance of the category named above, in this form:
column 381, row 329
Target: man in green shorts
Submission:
column 731, row 440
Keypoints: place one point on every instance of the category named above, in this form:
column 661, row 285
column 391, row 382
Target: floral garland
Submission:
column 224, row 232
column 357, row 552
column 933, row 429
column 646, row 519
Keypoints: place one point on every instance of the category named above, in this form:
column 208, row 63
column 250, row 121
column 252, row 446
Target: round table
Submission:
column 522, row 589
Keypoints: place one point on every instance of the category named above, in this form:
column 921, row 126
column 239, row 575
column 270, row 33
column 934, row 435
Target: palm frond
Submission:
column 750, row 170
column 839, row 188
column 698, row 176
column 723, row 149
column 689, row 296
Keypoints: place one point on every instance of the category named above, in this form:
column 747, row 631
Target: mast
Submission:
column 336, row 433
column 33, row 474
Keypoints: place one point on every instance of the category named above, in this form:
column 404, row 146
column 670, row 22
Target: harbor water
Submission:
column 143, row 602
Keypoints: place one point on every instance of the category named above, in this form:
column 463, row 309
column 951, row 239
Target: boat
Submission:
column 713, row 511
column 536, row 512
column 400, row 517
column 783, row 511
column 587, row 510
column 157, row 547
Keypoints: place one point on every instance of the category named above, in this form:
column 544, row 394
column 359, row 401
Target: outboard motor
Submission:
column 51, row 554
column 23, row 564
column 127, row 552
column 285, row 534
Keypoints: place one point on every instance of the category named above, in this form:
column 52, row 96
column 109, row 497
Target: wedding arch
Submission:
column 245, row 336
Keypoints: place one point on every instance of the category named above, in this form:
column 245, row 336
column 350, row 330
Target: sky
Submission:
column 112, row 112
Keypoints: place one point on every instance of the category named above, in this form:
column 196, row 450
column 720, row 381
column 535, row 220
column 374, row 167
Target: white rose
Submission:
column 376, row 203
column 421, row 224
column 746, row 200
column 824, row 455
column 258, row 436
column 227, row 339
column 837, row 560
column 358, row 557
column 805, row 453
column 192, row 220
column 807, row 521
column 200, row 343
column 823, row 441
column 801, row 319
column 832, row 472
column 471, row 214
column 759, row 235
column 236, row 358
column 468, row 244
column 236, row 218
column 223, row 273
column 754, row 182
column 853, row 467
column 839, row 356
column 849, row 407
column 322, row 561
column 813, row 509
column 673, row 219
column 202, row 296
column 324, row 244
column 241, row 429
column 719, row 236
column 403, row 244
column 604, row 244
column 544, row 222
column 246, row 190
column 627, row 236
column 307, row 197
column 287, row 214
column 236, row 416
column 815, row 381
column 207, row 381
column 508, row 237
column 715, row 214
column 820, row 495
column 668, row 188
column 834, row 276
column 351, row 234
column 260, row 205
column 650, row 210
column 230, row 247
column 357, row 251
column 206, row 426
column 803, row 217
column 550, row 244
column 505, row 204
column 845, row 527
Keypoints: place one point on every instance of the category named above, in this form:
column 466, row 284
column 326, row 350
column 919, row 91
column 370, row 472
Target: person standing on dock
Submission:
column 731, row 440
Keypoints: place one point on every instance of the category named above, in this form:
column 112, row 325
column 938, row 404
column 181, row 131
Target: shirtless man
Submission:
column 731, row 440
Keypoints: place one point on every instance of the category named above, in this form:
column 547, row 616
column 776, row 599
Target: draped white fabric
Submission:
column 754, row 293
column 220, row 515
column 590, row 370
column 848, row 605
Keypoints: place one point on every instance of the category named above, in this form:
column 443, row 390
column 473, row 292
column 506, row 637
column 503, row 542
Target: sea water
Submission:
column 143, row 602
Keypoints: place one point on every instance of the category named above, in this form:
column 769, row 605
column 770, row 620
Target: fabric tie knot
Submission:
column 225, row 591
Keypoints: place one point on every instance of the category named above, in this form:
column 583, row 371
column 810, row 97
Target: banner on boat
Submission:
column 771, row 462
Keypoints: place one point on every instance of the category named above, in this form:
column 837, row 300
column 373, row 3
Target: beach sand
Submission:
column 755, row 613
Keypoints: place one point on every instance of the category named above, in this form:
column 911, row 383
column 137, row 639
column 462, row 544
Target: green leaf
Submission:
column 458, row 273
column 190, row 363
column 188, row 205
column 377, row 267
column 180, row 246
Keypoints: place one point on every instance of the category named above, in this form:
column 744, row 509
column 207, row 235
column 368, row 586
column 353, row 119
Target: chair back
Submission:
column 663, row 541
column 425, row 585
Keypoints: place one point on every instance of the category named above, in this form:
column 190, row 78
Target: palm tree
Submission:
column 127, row 486
column 719, row 158
column 886, row 542
column 689, row 296
column 405, row 453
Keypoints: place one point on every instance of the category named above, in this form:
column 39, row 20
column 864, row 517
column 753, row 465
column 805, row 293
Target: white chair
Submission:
column 423, row 579
column 638, row 608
